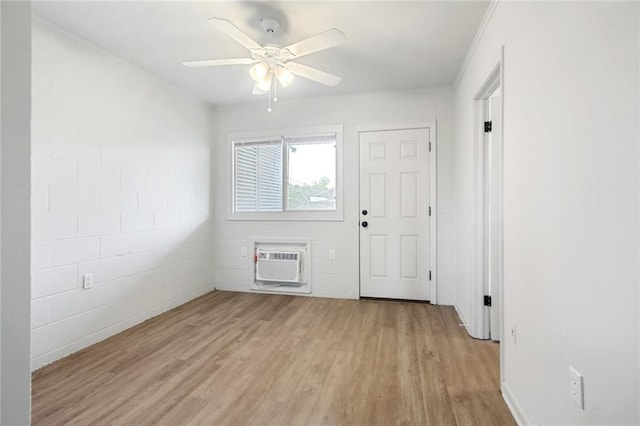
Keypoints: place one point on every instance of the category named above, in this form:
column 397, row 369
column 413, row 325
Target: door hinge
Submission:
column 429, row 146
column 487, row 126
column 429, row 210
column 487, row 300
column 429, row 274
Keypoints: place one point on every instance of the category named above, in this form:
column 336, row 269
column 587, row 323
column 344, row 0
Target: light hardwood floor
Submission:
column 239, row 358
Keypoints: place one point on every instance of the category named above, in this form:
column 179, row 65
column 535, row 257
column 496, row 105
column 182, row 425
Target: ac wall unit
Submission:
column 279, row 266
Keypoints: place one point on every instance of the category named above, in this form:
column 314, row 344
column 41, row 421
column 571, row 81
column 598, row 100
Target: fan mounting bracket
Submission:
column 270, row 25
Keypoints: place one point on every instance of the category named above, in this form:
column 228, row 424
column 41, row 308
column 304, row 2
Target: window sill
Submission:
column 307, row 216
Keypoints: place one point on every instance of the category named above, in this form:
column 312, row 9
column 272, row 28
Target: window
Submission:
column 311, row 177
column 290, row 176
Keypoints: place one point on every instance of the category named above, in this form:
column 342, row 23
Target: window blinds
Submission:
column 258, row 176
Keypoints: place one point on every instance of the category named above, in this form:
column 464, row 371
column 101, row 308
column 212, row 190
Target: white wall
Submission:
column 120, row 189
column 570, row 204
column 15, row 85
column 339, row 277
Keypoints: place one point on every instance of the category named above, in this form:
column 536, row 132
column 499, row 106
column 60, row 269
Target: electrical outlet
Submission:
column 87, row 281
column 576, row 386
column 332, row 254
column 244, row 252
column 514, row 333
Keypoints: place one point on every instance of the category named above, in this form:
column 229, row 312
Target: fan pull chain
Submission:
column 275, row 89
column 269, row 109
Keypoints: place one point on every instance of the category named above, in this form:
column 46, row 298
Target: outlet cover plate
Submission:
column 576, row 387
column 87, row 281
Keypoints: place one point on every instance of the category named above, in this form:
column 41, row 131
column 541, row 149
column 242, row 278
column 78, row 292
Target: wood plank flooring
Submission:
column 238, row 358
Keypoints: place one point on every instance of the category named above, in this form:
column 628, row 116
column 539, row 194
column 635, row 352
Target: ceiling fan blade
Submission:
column 312, row 74
column 235, row 33
column 214, row 62
column 325, row 40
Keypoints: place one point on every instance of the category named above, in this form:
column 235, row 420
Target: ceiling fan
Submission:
column 271, row 60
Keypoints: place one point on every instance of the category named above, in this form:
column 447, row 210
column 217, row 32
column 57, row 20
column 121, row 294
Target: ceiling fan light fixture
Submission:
column 284, row 76
column 257, row 90
column 259, row 71
column 265, row 83
column 269, row 60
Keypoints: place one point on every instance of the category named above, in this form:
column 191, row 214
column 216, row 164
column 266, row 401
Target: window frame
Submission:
column 285, row 215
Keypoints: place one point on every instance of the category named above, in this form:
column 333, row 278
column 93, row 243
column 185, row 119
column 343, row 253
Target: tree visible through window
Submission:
column 311, row 181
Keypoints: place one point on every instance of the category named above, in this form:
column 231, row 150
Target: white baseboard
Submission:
column 462, row 318
column 284, row 289
column 231, row 287
column 115, row 328
column 514, row 405
column 316, row 292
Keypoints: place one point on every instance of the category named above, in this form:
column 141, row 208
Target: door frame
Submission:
column 433, row 236
column 479, row 320
column 493, row 213
column 479, row 326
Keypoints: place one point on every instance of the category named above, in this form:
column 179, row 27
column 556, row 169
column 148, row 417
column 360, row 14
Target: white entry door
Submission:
column 394, row 214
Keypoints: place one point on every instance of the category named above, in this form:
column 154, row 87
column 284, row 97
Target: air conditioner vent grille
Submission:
column 283, row 256
column 279, row 266
column 278, row 255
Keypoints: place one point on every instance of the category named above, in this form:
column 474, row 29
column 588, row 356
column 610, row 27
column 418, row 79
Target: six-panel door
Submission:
column 394, row 194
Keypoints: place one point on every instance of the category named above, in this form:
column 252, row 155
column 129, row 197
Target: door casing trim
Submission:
column 477, row 326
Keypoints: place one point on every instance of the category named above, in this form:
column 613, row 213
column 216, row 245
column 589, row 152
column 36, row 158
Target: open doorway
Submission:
column 492, row 210
column 487, row 288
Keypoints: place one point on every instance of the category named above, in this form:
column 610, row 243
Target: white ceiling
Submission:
column 391, row 45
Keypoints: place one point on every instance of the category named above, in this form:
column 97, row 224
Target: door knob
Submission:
column 364, row 212
column 365, row 224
